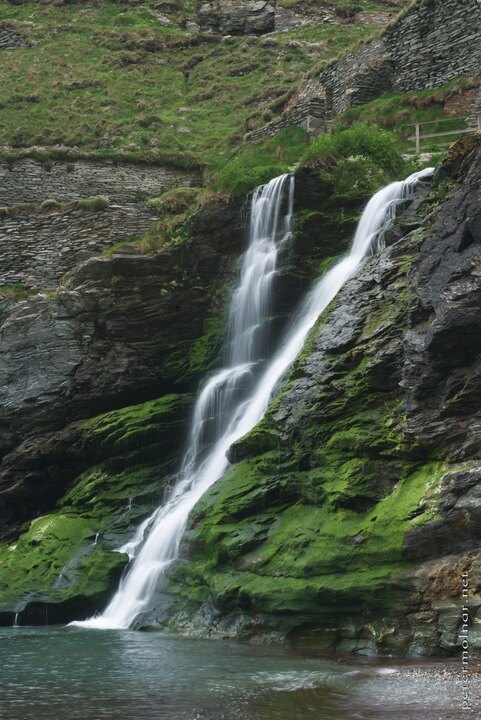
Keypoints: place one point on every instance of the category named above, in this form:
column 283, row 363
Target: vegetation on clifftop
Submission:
column 398, row 112
column 362, row 154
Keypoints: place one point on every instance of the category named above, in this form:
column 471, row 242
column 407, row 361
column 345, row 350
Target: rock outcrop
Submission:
column 124, row 328
column 237, row 18
column 9, row 40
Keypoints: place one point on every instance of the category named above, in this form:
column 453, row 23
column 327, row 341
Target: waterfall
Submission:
column 217, row 404
column 235, row 399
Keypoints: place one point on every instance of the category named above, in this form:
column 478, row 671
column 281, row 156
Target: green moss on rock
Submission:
column 67, row 558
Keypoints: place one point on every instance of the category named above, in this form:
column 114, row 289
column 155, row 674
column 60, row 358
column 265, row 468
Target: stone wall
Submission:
column 437, row 41
column 308, row 114
column 475, row 120
column 357, row 78
column 30, row 181
column 37, row 248
column 461, row 104
column 9, row 40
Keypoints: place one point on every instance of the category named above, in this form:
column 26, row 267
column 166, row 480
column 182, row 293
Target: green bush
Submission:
column 371, row 142
column 99, row 202
column 175, row 201
column 354, row 178
column 366, row 156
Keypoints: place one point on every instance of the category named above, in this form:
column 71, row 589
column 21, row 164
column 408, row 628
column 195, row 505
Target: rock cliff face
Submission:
column 352, row 513
column 123, row 328
column 96, row 383
column 353, row 516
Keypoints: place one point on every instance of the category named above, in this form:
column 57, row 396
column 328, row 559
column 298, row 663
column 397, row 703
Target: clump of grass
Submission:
column 175, row 207
column 175, row 201
column 260, row 161
column 17, row 291
column 368, row 141
column 99, row 202
column 354, row 163
column 51, row 204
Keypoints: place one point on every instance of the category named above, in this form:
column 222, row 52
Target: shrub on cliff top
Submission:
column 355, row 163
column 370, row 141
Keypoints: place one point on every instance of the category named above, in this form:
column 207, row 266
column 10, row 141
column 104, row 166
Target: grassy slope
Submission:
column 399, row 111
column 115, row 69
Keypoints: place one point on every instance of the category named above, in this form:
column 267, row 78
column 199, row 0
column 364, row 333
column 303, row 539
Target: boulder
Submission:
column 237, row 18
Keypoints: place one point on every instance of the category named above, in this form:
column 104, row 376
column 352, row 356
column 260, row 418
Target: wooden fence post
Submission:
column 418, row 138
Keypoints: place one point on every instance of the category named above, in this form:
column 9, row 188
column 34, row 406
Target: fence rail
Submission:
column 418, row 137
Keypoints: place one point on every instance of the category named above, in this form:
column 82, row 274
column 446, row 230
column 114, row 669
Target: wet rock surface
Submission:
column 122, row 329
column 353, row 516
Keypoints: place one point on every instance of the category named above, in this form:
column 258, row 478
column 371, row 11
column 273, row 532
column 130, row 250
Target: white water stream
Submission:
column 235, row 399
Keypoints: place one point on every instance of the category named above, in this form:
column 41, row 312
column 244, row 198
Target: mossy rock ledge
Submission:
column 65, row 563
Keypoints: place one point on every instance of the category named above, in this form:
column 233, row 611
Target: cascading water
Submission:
column 217, row 404
column 236, row 398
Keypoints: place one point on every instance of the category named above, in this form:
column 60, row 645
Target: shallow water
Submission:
column 60, row 673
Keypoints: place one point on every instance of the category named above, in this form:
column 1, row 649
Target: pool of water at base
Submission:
column 71, row 673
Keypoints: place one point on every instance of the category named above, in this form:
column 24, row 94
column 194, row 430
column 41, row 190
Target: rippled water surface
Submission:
column 60, row 673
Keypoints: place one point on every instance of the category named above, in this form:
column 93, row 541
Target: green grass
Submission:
column 96, row 203
column 399, row 111
column 45, row 154
column 109, row 69
column 17, row 291
column 348, row 5
column 242, row 170
column 365, row 158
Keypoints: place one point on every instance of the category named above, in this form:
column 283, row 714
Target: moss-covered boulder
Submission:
column 65, row 563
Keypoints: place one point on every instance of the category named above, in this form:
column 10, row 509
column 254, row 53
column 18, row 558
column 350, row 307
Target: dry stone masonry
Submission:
column 435, row 42
column 307, row 112
column 9, row 40
column 37, row 248
column 30, row 181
